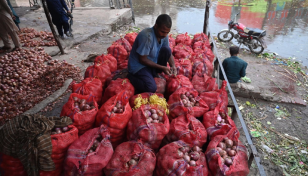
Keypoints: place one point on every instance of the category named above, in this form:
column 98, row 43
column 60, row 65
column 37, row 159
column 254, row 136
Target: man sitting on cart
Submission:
column 150, row 54
column 234, row 67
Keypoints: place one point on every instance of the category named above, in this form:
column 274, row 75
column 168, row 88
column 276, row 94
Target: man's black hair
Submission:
column 234, row 50
column 165, row 20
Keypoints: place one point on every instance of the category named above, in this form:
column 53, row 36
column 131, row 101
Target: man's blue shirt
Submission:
column 235, row 68
column 145, row 44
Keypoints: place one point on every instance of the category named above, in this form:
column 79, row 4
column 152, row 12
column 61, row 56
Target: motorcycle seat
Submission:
column 256, row 32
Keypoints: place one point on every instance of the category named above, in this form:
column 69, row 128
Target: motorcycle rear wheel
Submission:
column 225, row 36
column 256, row 46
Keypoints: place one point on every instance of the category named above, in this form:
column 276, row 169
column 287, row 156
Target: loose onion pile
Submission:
column 25, row 79
column 118, row 108
column 59, row 130
column 190, row 155
column 227, row 151
column 133, row 161
column 82, row 105
column 189, row 100
column 27, row 36
column 96, row 142
column 154, row 116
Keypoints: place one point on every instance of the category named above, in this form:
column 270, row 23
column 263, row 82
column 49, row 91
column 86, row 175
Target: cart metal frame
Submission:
column 235, row 109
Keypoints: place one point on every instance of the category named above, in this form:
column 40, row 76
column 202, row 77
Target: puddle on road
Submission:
column 285, row 21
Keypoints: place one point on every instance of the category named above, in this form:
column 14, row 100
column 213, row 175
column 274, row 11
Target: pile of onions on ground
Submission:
column 118, row 108
column 25, row 80
column 82, row 104
column 227, row 151
column 27, row 35
column 154, row 116
column 96, row 142
column 59, row 130
column 189, row 100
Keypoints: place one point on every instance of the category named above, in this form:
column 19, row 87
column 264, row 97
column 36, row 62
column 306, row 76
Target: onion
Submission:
column 119, row 102
column 183, row 149
column 231, row 152
column 114, row 109
column 58, row 131
column 149, row 120
column 194, row 156
column 228, row 161
column 219, row 118
column 186, row 158
column 180, row 154
column 119, row 106
column 160, row 113
column 132, row 162
column 234, row 147
column 218, row 149
column 136, row 157
column 160, row 118
column 192, row 163
column 91, row 151
column 153, row 111
column 65, row 129
column 154, row 116
column 229, row 143
column 222, row 145
column 147, row 113
column 155, row 121
column 196, row 148
column 187, row 94
column 222, row 152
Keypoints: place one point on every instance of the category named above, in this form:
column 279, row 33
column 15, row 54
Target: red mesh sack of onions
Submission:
column 61, row 139
column 226, row 155
column 150, row 124
column 145, row 96
column 213, row 98
column 131, row 158
column 188, row 129
column 89, row 154
column 82, row 109
column 109, row 60
column 98, row 70
column 186, row 100
column 176, row 82
column 217, row 123
column 184, row 39
column 161, row 85
column 120, row 50
column 131, row 37
column 115, row 113
column 204, row 83
column 184, row 67
column 11, row 166
column 207, row 52
column 171, row 42
column 182, row 51
column 203, row 38
column 179, row 158
column 89, row 86
column 116, row 86
column 201, row 45
column 201, row 65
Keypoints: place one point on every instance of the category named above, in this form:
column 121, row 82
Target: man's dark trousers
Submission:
column 62, row 26
column 143, row 80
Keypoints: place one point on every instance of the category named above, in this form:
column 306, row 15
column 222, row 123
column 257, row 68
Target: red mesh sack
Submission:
column 217, row 123
column 217, row 166
column 82, row 120
column 184, row 39
column 131, row 37
column 182, row 51
column 150, row 134
column 117, row 86
column 161, row 85
column 207, row 53
column 184, row 67
column 131, row 158
column 177, row 108
column 201, row 45
column 89, row 86
column 10, row 166
column 171, row 42
column 60, row 143
column 201, row 37
column 176, row 82
column 170, row 160
column 83, row 159
column 216, row 97
column 201, row 65
column 145, row 95
column 109, row 60
column 188, row 129
column 116, row 122
column 204, row 83
column 98, row 70
column 118, row 51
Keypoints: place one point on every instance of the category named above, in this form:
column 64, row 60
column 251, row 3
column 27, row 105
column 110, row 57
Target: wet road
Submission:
column 285, row 21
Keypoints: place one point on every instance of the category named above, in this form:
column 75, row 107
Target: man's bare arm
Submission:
column 147, row 62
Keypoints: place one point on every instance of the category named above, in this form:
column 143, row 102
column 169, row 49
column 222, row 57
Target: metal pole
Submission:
column 206, row 17
column 131, row 6
column 51, row 26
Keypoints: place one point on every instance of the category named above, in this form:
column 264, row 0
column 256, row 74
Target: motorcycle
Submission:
column 250, row 37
